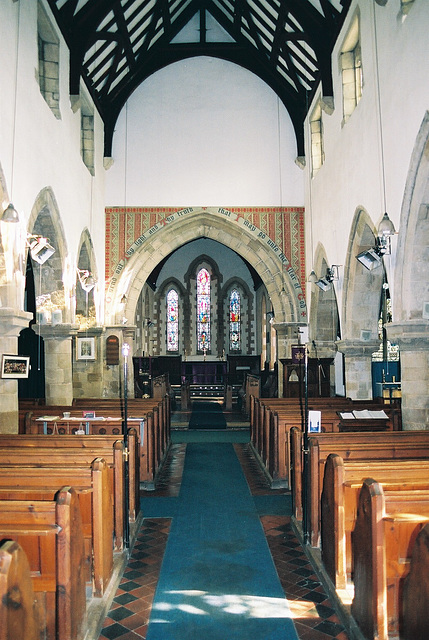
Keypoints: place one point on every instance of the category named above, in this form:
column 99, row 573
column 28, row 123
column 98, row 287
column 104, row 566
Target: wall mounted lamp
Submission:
column 40, row 249
column 86, row 280
column 373, row 257
column 332, row 275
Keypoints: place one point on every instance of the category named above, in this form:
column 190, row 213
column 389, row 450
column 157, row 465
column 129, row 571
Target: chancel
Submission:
column 214, row 315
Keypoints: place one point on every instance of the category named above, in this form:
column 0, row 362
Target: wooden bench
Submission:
column 74, row 456
column 273, row 419
column 50, row 533
column 350, row 446
column 99, row 446
column 415, row 592
column 18, row 613
column 341, row 486
column 93, row 488
column 382, row 545
column 152, row 418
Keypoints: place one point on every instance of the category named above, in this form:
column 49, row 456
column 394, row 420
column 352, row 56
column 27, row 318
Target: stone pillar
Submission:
column 128, row 335
column 12, row 321
column 88, row 373
column 58, row 362
column 286, row 336
column 358, row 367
column 413, row 340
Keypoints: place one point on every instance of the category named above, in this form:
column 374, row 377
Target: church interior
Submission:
column 214, row 313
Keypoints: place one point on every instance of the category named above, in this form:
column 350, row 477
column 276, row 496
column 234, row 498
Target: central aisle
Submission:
column 218, row 580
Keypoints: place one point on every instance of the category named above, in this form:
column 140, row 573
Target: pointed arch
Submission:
column 362, row 287
column 411, row 294
column 224, row 227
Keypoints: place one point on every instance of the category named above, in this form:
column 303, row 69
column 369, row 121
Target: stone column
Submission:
column 88, row 374
column 129, row 335
column 413, row 340
column 58, row 362
column 286, row 336
column 12, row 321
column 358, row 367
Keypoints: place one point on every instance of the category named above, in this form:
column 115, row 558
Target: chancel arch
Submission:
column 282, row 284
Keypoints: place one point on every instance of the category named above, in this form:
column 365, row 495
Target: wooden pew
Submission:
column 350, row 446
column 272, row 420
column 70, row 456
column 341, row 486
column 382, row 544
column 99, row 447
column 18, row 613
column 93, row 488
column 152, row 417
column 50, row 532
column 415, row 593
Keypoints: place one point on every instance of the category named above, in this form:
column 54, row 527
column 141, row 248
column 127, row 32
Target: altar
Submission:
column 204, row 371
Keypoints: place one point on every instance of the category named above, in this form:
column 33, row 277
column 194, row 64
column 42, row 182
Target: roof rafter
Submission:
column 116, row 44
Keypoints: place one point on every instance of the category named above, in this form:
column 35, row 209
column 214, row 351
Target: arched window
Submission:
column 234, row 321
column 203, row 310
column 172, row 320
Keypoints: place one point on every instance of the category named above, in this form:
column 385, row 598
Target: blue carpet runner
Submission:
column 218, row 580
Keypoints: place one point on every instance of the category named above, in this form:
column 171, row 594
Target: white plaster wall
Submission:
column 36, row 149
column 351, row 175
column 204, row 132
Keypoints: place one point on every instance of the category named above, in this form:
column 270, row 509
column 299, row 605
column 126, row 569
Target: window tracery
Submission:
column 203, row 310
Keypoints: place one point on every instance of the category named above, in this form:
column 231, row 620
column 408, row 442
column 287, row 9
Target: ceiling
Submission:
column 116, row 44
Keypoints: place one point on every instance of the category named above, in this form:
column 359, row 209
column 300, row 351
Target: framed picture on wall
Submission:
column 85, row 349
column 15, row 366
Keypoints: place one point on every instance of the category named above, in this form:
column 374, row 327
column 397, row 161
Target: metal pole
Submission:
column 306, row 479
column 125, row 352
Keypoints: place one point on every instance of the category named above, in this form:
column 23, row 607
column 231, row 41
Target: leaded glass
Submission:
column 172, row 321
column 203, row 310
column 234, row 321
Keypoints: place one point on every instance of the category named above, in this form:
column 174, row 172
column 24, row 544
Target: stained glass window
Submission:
column 234, row 321
column 203, row 310
column 172, row 321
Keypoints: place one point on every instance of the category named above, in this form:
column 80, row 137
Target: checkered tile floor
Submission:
column 312, row 611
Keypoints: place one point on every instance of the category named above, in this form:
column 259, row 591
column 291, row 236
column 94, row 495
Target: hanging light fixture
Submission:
column 312, row 277
column 10, row 214
column 386, row 228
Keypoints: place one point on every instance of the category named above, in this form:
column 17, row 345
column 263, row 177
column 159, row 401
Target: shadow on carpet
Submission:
column 218, row 579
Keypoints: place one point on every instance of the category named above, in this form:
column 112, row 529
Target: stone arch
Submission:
column 49, row 278
column 324, row 319
column 86, row 308
column 224, row 227
column 362, row 287
column 12, row 281
column 412, row 259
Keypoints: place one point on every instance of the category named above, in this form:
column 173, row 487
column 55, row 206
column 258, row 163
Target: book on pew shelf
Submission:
column 48, row 418
column 346, row 415
column 367, row 414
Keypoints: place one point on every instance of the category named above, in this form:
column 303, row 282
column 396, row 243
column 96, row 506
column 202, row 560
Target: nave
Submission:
column 216, row 534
